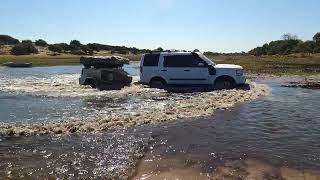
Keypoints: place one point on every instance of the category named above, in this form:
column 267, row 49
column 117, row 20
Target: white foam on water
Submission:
column 149, row 105
column 66, row 85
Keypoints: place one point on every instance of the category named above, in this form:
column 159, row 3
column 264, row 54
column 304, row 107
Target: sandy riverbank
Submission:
column 250, row 169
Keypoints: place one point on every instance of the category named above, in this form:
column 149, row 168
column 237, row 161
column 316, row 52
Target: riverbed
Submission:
column 275, row 134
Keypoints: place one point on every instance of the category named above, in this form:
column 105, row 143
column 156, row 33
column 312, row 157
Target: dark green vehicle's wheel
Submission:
column 91, row 83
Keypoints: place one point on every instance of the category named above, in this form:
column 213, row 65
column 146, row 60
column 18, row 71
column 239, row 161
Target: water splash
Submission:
column 155, row 106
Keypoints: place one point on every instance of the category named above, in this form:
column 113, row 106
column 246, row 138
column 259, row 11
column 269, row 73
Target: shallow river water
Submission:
column 277, row 135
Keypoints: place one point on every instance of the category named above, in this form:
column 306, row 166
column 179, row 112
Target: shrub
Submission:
column 55, row 48
column 41, row 42
column 75, row 43
column 24, row 49
column 316, row 37
column 5, row 39
column 26, row 41
column 86, row 49
column 78, row 52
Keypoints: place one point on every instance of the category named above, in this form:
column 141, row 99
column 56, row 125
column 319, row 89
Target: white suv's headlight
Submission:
column 239, row 72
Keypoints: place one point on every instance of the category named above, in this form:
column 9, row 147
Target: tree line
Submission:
column 74, row 47
column 289, row 44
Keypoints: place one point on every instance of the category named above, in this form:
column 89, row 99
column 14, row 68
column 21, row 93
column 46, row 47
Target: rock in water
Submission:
column 103, row 61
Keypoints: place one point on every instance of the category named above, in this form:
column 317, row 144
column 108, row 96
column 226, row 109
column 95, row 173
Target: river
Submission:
column 280, row 130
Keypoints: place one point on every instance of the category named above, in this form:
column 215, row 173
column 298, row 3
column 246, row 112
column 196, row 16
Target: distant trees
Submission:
column 196, row 50
column 75, row 45
column 26, row 41
column 289, row 36
column 55, row 48
column 41, row 42
column 316, row 37
column 24, row 49
column 159, row 49
column 288, row 45
column 8, row 40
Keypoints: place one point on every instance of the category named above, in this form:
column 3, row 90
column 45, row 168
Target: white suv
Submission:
column 188, row 68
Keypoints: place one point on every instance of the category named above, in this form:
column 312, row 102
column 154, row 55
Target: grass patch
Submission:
column 38, row 60
column 279, row 65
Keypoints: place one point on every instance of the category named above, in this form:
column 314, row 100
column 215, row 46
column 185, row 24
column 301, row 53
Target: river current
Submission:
column 280, row 130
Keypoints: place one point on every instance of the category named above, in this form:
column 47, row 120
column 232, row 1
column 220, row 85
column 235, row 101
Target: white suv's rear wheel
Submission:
column 157, row 83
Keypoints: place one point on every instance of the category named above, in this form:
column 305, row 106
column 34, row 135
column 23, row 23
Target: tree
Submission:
column 24, row 49
column 196, row 50
column 160, row 49
column 316, row 37
column 26, row 41
column 75, row 43
column 41, row 42
column 289, row 36
column 5, row 39
column 55, row 48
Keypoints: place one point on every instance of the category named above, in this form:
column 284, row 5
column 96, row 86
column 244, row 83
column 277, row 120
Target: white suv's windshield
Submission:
column 207, row 60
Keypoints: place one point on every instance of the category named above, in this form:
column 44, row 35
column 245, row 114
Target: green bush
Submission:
column 26, row 41
column 41, row 42
column 316, row 37
column 55, row 48
column 78, row 52
column 75, row 43
column 24, row 49
column 5, row 39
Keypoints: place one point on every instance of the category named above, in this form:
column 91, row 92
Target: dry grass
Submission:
column 298, row 65
column 294, row 64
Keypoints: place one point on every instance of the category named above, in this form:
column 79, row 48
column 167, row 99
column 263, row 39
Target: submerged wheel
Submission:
column 224, row 83
column 157, row 83
column 91, row 83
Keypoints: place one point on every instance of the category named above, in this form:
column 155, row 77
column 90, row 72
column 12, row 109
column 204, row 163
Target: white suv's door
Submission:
column 185, row 69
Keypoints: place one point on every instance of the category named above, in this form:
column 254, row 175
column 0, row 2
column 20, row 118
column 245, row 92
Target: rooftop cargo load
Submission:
column 103, row 61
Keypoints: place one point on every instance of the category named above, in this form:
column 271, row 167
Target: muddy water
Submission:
column 277, row 134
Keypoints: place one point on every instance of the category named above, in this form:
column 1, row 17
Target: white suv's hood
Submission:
column 228, row 66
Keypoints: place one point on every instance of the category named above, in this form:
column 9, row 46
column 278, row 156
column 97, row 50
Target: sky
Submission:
column 208, row 25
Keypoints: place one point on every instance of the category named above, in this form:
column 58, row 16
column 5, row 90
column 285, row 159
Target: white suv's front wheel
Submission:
column 224, row 83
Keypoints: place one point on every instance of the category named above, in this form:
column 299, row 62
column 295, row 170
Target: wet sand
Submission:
column 248, row 169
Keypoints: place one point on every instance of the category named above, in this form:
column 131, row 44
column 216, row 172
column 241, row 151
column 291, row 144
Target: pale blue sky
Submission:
column 215, row 25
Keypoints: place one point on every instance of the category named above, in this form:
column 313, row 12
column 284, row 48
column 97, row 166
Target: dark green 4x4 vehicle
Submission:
column 104, row 73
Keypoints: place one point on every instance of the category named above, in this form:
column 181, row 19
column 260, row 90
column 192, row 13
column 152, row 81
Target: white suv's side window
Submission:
column 151, row 60
column 182, row 61
column 185, row 69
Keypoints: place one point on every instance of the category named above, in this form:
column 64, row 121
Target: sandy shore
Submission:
column 249, row 169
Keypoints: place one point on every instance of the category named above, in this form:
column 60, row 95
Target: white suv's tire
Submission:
column 224, row 83
column 157, row 83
